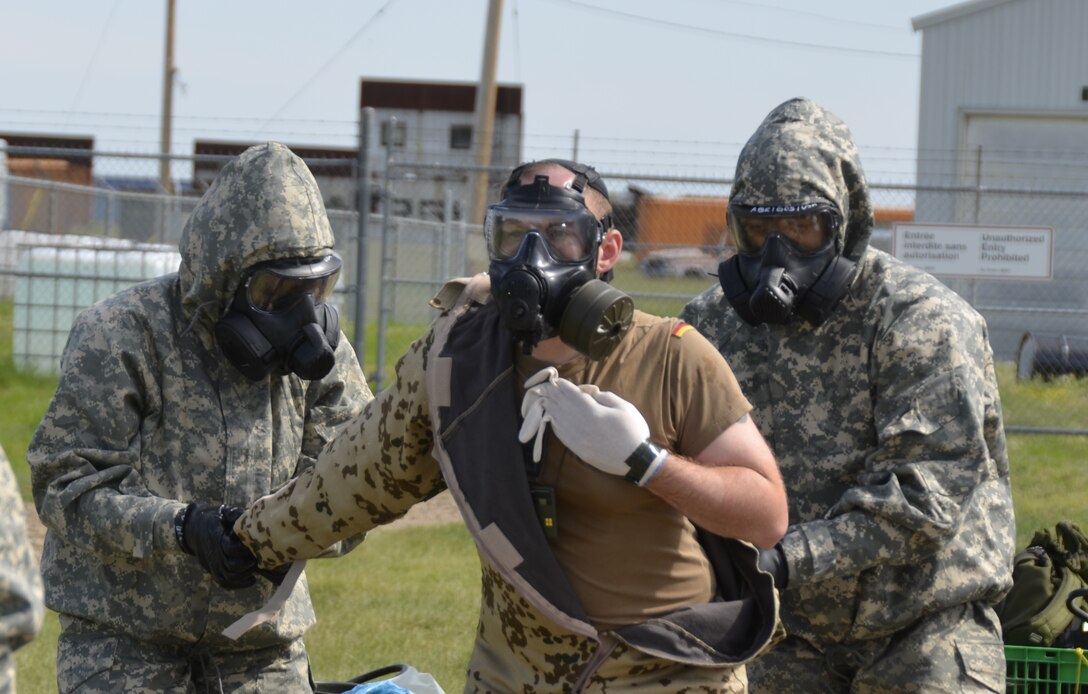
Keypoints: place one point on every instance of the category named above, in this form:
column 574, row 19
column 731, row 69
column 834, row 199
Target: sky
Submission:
column 667, row 88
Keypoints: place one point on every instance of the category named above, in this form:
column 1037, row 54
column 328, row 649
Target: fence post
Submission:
column 53, row 223
column 447, row 238
column 110, row 211
column 386, row 273
column 362, row 207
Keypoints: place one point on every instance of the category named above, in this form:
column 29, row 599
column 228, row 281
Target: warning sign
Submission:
column 978, row 252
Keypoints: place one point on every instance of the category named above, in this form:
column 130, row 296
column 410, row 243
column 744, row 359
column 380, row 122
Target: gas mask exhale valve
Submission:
column 788, row 263
column 543, row 244
column 279, row 320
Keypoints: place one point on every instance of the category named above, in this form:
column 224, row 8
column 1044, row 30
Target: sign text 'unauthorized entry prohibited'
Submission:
column 982, row 252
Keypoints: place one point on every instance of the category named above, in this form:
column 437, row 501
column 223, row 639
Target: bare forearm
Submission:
column 727, row 500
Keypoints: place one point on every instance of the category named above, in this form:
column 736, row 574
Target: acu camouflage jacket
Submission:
column 885, row 419
column 148, row 416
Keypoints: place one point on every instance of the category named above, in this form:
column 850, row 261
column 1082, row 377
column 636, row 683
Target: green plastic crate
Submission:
column 1045, row 670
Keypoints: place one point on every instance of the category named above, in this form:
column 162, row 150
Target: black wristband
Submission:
column 640, row 461
column 179, row 527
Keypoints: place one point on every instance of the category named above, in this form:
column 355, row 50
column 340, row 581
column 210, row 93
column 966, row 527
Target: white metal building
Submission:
column 1004, row 108
column 432, row 123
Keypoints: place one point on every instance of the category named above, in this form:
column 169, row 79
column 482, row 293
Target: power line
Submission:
column 806, row 13
column 517, row 42
column 94, row 55
column 335, row 55
column 735, row 35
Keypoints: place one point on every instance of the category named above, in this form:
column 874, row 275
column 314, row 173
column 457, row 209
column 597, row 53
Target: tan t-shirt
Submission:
column 628, row 554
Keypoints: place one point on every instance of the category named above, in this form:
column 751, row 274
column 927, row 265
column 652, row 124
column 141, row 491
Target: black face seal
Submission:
column 543, row 243
column 280, row 320
column 789, row 263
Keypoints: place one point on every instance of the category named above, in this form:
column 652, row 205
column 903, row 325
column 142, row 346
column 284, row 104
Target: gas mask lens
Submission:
column 809, row 227
column 278, row 285
column 570, row 234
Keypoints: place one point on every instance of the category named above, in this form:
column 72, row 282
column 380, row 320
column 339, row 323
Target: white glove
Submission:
column 535, row 420
column 601, row 428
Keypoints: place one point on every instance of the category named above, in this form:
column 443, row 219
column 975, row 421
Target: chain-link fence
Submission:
column 66, row 245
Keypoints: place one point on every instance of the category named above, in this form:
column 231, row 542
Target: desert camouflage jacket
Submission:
column 21, row 609
column 885, row 419
column 148, row 416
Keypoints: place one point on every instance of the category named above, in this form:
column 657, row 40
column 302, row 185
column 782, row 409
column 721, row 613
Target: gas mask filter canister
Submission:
column 279, row 319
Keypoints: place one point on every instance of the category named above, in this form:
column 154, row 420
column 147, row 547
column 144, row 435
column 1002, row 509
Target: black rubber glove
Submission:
column 231, row 514
column 773, row 561
column 205, row 532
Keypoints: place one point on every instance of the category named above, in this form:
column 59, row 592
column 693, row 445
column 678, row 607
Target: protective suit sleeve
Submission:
column 375, row 469
column 84, row 456
column 937, row 414
column 21, row 608
column 331, row 404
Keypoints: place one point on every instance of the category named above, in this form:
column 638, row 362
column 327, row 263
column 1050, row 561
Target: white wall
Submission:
column 1001, row 107
column 1017, row 58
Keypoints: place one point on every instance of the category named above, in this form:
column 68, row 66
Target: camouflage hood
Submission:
column 263, row 205
column 803, row 153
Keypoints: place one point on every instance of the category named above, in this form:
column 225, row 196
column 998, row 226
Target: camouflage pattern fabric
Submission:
column 886, row 419
column 148, row 416
column 952, row 651
column 518, row 649
column 91, row 658
column 379, row 467
column 21, row 608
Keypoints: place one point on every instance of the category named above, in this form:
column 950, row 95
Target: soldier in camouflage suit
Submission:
column 884, row 414
column 21, row 608
column 622, row 595
column 148, row 417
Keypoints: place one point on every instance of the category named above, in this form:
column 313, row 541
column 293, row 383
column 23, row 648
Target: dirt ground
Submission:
column 440, row 509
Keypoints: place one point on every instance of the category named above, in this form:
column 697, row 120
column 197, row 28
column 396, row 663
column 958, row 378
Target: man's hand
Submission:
column 601, row 428
column 205, row 531
column 230, row 515
column 535, row 419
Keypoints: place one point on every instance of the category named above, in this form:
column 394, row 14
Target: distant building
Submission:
column 57, row 158
column 1003, row 106
column 432, row 123
column 333, row 168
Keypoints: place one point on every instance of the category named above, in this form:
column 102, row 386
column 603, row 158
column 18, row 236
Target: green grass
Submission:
column 25, row 397
column 406, row 595
column 1059, row 403
column 412, row 595
column 661, row 296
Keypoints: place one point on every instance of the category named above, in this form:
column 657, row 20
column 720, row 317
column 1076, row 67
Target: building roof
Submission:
column 435, row 96
column 954, row 12
column 51, row 146
column 211, row 155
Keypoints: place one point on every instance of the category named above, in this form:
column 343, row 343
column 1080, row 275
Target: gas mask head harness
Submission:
column 789, row 262
column 279, row 319
column 543, row 244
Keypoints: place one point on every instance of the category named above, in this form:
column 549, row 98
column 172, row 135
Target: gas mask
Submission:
column 788, row 263
column 279, row 319
column 543, row 244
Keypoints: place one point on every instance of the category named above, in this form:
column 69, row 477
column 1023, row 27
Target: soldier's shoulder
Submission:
column 475, row 288
column 142, row 307
column 913, row 289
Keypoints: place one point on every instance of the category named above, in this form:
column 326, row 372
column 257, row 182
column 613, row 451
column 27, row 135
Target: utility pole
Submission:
column 167, row 102
column 485, row 107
